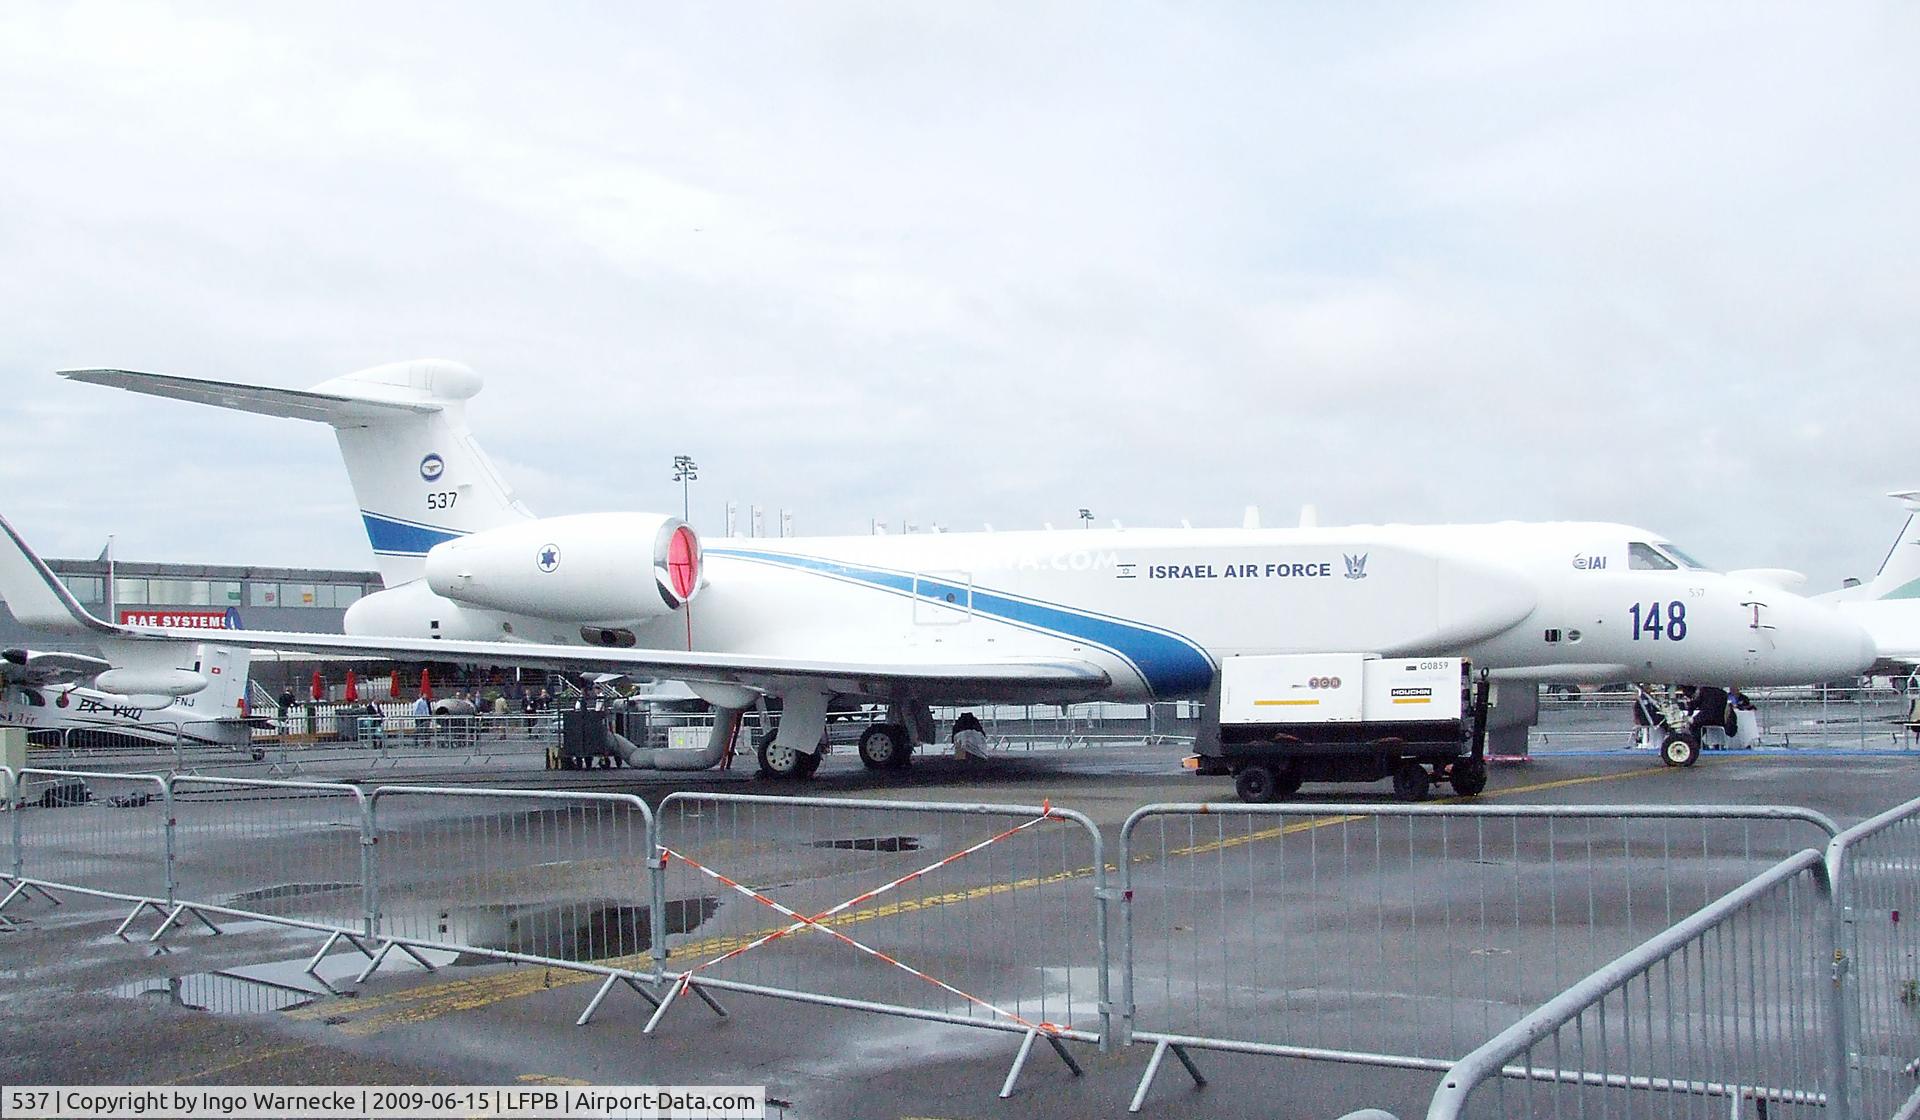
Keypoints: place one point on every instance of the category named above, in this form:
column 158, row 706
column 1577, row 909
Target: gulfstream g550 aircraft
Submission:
column 960, row 618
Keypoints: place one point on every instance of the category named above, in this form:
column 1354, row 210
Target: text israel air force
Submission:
column 1356, row 568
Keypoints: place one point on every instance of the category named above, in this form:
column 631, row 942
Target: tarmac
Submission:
column 81, row 1006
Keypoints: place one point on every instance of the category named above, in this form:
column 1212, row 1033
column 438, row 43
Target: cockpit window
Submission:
column 1643, row 557
column 1685, row 560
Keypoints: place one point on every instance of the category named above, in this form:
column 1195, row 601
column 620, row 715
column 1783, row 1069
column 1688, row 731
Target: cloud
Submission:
column 989, row 263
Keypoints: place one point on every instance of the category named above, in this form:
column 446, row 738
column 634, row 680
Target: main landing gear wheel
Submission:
column 785, row 762
column 1680, row 750
column 885, row 747
column 1468, row 777
column 1410, row 781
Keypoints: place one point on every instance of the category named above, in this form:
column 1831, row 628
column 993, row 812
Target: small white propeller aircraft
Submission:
column 966, row 618
column 189, row 694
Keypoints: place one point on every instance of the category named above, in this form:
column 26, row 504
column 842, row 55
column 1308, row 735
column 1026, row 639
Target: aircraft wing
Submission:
column 1011, row 678
column 296, row 404
column 44, row 667
column 38, row 598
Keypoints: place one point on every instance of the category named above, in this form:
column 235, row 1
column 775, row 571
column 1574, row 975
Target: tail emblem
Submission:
column 432, row 467
column 1356, row 566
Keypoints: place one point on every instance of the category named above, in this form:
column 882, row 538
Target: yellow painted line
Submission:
column 238, row 1062
column 1413, row 700
column 1283, row 703
column 426, row 1002
column 549, row 1079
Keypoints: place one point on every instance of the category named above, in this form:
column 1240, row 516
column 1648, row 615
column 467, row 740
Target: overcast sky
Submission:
column 967, row 263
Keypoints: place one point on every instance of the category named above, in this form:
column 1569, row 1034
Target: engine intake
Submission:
column 599, row 569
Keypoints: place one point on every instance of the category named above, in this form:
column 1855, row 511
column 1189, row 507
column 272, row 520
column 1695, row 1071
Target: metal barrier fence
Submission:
column 1737, row 1002
column 1876, row 874
column 941, row 912
column 307, row 862
column 560, row 879
column 1402, row 936
column 1397, row 936
column 92, row 835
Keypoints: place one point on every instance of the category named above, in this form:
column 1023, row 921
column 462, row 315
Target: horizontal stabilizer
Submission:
column 296, row 404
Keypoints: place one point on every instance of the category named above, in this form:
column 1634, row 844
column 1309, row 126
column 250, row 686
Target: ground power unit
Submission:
column 1293, row 718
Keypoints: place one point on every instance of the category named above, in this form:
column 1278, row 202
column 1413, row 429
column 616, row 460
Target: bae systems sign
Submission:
column 228, row 619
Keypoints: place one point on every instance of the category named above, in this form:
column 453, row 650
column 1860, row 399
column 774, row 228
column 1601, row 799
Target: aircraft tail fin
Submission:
column 417, row 472
column 1899, row 575
column 225, row 668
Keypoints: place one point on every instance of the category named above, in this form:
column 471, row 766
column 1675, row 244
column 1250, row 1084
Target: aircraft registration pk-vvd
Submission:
column 190, row 694
column 967, row 618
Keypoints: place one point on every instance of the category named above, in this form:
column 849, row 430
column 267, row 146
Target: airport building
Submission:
column 209, row 596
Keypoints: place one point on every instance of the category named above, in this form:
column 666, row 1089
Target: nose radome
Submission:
column 1840, row 646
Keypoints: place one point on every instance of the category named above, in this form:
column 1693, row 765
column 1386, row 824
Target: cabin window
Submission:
column 1643, row 557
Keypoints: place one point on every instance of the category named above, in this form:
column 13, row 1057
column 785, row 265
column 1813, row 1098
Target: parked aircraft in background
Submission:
column 1888, row 605
column 192, row 698
column 970, row 618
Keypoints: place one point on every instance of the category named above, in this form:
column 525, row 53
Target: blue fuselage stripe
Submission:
column 1170, row 664
column 392, row 537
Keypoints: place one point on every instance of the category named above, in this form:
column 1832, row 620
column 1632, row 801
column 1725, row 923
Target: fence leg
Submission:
column 607, row 987
column 174, row 917
column 1020, row 1061
column 333, row 939
column 374, row 962
column 1153, row 1070
column 683, row 984
column 21, row 886
column 121, row 930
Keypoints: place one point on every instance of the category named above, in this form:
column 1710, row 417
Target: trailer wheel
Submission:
column 1468, row 777
column 1680, row 750
column 1286, row 783
column 1410, row 781
column 1256, row 784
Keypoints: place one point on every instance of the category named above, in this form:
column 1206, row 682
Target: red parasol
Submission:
column 426, row 683
column 351, row 692
column 319, row 687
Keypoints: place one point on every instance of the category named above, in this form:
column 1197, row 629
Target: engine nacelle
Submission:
column 603, row 569
column 149, row 683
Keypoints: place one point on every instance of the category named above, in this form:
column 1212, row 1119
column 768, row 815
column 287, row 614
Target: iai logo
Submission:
column 549, row 558
column 1356, row 565
column 1589, row 563
column 432, row 467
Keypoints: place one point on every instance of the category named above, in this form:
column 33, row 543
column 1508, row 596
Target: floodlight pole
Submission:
column 685, row 471
column 1086, row 518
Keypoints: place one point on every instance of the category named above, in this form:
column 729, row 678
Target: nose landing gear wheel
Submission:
column 885, row 747
column 785, row 762
column 1680, row 750
column 1410, row 782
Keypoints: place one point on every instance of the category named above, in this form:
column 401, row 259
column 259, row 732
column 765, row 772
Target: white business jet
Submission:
column 1126, row 615
column 1888, row 605
column 191, row 695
